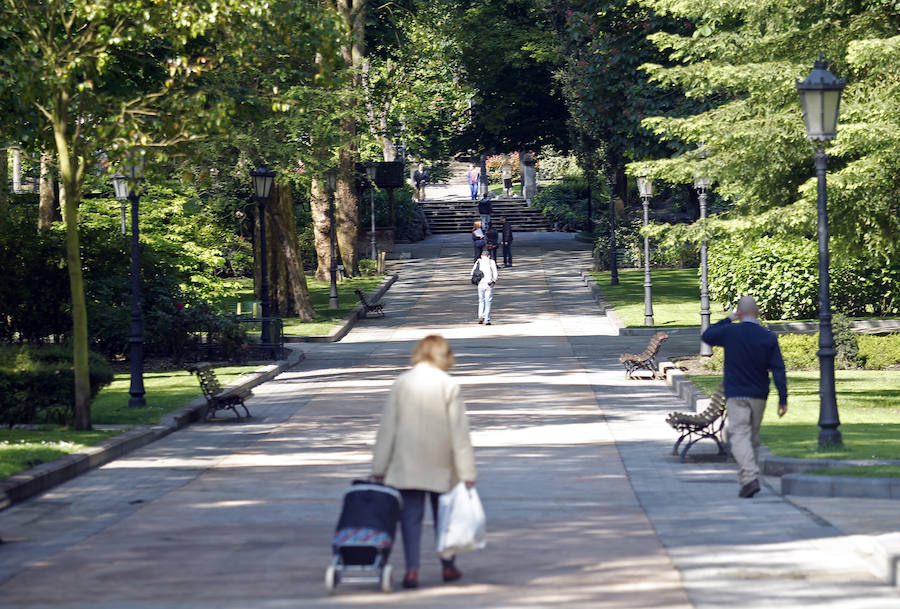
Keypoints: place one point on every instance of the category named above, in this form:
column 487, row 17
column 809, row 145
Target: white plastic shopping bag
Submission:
column 461, row 522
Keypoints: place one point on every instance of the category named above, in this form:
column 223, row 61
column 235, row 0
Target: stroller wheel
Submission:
column 387, row 578
column 331, row 579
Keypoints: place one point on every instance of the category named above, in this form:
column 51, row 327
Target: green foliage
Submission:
column 845, row 344
column 879, row 352
column 564, row 204
column 37, row 383
column 551, row 163
column 494, row 162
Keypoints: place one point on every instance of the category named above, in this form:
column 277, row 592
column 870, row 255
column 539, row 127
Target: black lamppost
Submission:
column 645, row 188
column 702, row 184
column 263, row 180
column 127, row 186
column 331, row 179
column 820, row 96
column 371, row 169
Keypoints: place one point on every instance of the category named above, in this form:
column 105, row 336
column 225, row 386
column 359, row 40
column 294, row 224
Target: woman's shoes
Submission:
column 411, row 579
column 451, row 574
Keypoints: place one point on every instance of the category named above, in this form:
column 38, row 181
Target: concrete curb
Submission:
column 604, row 305
column 344, row 327
column 40, row 478
column 792, row 327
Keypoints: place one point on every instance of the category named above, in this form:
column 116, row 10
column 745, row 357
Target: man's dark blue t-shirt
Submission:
column 751, row 351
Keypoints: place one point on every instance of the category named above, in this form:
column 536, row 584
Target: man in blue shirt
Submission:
column 751, row 351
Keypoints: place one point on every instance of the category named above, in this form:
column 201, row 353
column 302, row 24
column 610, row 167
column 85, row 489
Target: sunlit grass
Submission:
column 20, row 450
column 868, row 406
column 319, row 291
column 675, row 297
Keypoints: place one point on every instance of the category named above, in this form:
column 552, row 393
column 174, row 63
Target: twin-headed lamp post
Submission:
column 820, row 96
column 263, row 180
column 702, row 184
column 645, row 188
column 127, row 186
column 331, row 180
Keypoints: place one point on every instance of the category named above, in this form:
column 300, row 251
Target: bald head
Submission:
column 746, row 307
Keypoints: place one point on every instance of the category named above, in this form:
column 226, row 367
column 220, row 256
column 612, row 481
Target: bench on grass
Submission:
column 646, row 360
column 695, row 427
column 376, row 308
column 218, row 398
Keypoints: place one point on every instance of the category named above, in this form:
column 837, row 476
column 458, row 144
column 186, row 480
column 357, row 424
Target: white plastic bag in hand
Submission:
column 461, row 522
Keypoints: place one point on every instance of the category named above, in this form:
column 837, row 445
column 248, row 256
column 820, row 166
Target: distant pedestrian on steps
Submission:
column 474, row 176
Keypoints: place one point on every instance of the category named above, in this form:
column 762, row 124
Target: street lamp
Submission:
column 820, row 96
column 645, row 188
column 127, row 186
column 263, row 180
column 370, row 172
column 702, row 184
column 331, row 179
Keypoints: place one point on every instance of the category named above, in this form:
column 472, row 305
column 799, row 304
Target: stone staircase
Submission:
column 457, row 216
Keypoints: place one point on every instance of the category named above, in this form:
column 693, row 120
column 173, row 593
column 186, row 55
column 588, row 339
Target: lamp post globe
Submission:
column 126, row 185
column 645, row 189
column 263, row 180
column 820, row 98
column 331, row 180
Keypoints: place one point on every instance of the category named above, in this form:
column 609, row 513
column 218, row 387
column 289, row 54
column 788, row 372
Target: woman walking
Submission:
column 477, row 239
column 423, row 446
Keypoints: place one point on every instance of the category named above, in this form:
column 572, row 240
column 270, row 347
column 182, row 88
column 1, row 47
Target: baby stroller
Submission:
column 364, row 535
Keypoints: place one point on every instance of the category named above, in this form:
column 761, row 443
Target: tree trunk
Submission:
column 289, row 248
column 71, row 176
column 47, row 204
column 4, row 181
column 319, row 205
column 347, row 213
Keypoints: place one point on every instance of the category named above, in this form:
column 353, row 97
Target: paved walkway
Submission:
column 585, row 507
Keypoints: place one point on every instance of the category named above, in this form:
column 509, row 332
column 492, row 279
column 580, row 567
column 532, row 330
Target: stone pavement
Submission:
column 585, row 506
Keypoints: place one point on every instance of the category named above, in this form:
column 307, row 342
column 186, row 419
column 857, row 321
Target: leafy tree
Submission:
column 106, row 75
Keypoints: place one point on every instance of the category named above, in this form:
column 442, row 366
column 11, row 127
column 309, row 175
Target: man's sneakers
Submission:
column 748, row 490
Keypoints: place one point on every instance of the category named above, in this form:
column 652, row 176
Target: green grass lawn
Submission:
column 676, row 297
column 497, row 189
column 326, row 318
column 165, row 392
column 868, row 405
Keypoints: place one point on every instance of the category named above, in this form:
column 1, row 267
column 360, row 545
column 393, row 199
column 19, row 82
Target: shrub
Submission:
column 879, row 352
column 564, row 204
column 494, row 162
column 37, row 384
column 845, row 344
column 553, row 164
column 798, row 351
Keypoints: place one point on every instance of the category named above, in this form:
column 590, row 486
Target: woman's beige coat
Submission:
column 423, row 440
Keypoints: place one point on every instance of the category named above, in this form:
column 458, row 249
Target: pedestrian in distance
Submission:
column 506, row 238
column 478, row 240
column 488, row 269
column 420, row 177
column 474, row 176
column 506, row 174
column 484, row 210
column 751, row 352
column 423, row 447
column 492, row 241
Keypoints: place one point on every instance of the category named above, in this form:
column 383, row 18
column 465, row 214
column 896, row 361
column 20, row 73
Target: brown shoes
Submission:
column 748, row 490
column 451, row 574
column 481, row 320
column 411, row 579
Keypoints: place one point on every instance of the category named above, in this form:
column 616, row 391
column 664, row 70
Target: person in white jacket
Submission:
column 488, row 268
column 423, row 447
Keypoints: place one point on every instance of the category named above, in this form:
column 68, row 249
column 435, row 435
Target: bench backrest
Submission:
column 362, row 297
column 209, row 383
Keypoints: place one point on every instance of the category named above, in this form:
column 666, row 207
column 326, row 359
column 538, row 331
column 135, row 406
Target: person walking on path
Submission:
column 420, row 177
column 492, row 241
column 751, row 351
column 423, row 447
column 478, row 240
column 506, row 238
column 484, row 210
column 474, row 176
column 488, row 269
column 506, row 174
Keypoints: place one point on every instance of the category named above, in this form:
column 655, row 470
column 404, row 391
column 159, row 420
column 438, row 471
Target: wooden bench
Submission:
column 695, row 427
column 218, row 398
column 646, row 360
column 377, row 308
